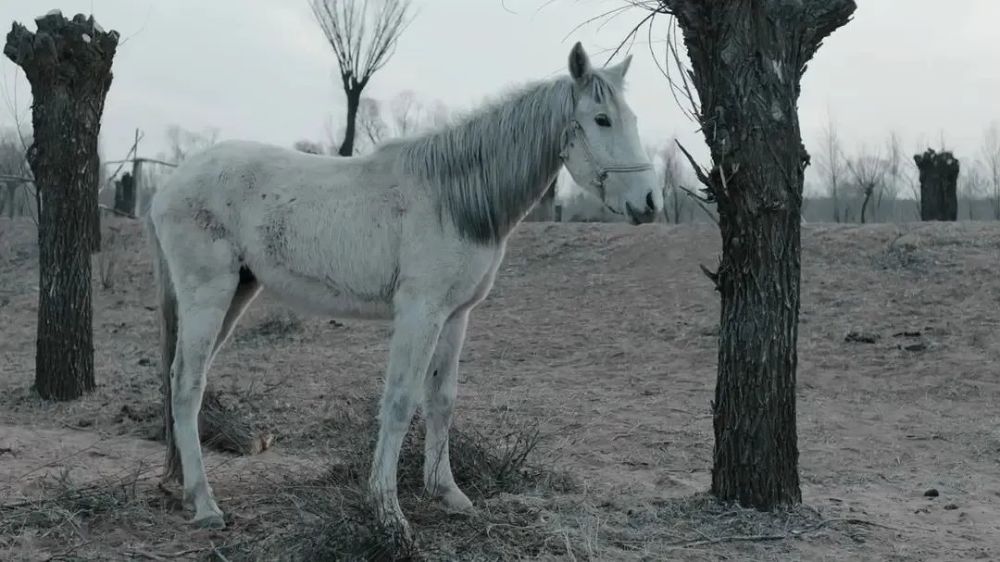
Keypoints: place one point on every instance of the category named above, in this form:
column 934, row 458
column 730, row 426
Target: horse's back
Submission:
column 318, row 230
column 237, row 164
column 239, row 179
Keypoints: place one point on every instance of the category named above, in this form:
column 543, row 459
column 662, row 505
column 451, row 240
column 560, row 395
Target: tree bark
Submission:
column 353, row 102
column 68, row 64
column 748, row 58
column 938, row 185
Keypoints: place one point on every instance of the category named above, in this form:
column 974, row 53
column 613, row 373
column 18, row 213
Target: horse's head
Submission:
column 601, row 147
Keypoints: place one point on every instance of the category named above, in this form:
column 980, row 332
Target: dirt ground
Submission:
column 605, row 336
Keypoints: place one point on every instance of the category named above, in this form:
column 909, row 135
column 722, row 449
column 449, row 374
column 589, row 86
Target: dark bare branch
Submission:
column 713, row 276
column 700, row 202
column 698, row 170
column 363, row 35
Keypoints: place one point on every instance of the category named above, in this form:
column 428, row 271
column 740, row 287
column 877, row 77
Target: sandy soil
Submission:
column 606, row 335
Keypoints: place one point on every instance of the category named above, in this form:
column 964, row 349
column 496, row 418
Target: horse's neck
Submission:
column 488, row 171
column 541, row 166
column 548, row 172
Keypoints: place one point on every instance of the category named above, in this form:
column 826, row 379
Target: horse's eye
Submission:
column 602, row 120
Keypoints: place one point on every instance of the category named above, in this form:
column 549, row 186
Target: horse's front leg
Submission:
column 440, row 389
column 416, row 328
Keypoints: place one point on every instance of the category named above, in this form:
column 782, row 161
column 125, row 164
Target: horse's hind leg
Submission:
column 246, row 292
column 440, row 389
column 206, row 282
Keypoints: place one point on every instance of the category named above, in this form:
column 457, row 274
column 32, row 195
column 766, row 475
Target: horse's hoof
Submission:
column 455, row 501
column 213, row 521
column 398, row 534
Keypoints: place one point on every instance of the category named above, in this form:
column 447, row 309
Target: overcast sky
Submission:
column 262, row 70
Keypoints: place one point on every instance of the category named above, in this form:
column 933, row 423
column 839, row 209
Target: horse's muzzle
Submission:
column 640, row 217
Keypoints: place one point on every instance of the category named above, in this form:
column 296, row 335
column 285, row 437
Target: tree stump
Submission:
column 938, row 185
column 68, row 64
column 125, row 195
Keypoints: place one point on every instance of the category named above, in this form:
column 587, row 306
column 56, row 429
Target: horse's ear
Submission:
column 579, row 64
column 621, row 68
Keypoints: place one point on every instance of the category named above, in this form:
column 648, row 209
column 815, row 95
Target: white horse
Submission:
column 412, row 233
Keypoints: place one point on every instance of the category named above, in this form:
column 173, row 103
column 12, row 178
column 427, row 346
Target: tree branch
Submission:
column 700, row 202
column 698, row 170
column 826, row 17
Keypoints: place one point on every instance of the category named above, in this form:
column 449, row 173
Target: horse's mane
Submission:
column 489, row 167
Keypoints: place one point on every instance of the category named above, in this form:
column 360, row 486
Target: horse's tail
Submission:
column 167, row 307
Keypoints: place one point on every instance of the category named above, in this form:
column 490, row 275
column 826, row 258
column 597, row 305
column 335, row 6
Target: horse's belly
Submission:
column 337, row 307
column 316, row 297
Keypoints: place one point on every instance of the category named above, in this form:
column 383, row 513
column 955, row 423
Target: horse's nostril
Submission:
column 649, row 201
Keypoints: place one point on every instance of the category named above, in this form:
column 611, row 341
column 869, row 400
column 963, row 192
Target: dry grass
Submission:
column 525, row 509
column 700, row 521
column 63, row 510
column 325, row 516
column 328, row 518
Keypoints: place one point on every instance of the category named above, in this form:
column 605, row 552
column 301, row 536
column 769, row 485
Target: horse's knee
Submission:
column 397, row 410
column 439, row 408
column 185, row 397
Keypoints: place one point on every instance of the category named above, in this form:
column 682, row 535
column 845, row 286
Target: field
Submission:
column 601, row 337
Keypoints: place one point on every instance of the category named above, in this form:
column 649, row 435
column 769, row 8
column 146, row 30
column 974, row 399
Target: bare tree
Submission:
column 406, row 112
column 894, row 172
column 991, row 160
column 756, row 180
column 868, row 170
column 363, row 36
column 973, row 186
column 147, row 172
column 68, row 64
column 831, row 164
column 371, row 123
column 437, row 114
column 183, row 142
column 403, row 115
column 14, row 170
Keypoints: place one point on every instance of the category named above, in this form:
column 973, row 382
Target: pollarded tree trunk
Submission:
column 125, row 195
column 68, row 64
column 748, row 58
column 938, row 185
